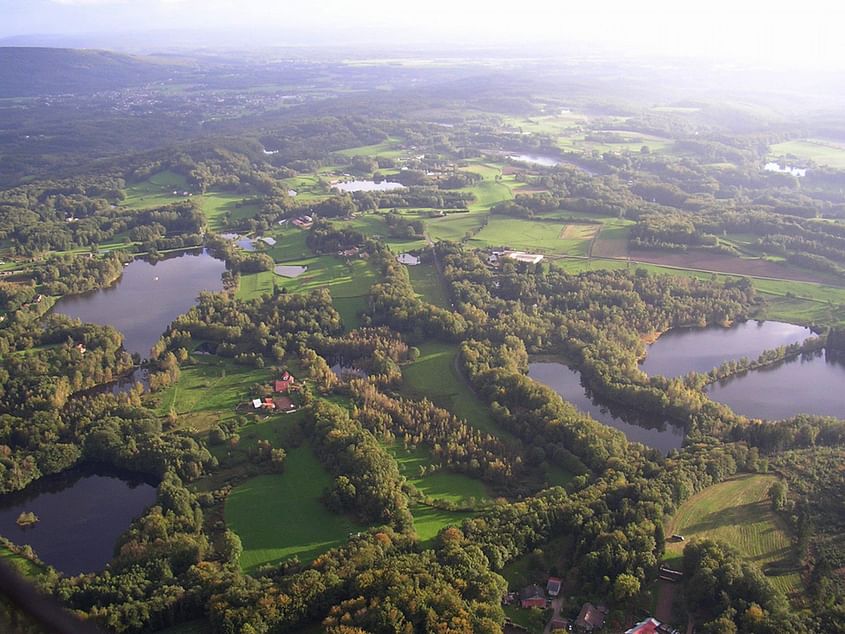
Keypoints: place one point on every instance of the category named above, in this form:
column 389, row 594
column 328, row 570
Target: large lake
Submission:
column 147, row 297
column 567, row 382
column 81, row 515
column 809, row 384
column 683, row 350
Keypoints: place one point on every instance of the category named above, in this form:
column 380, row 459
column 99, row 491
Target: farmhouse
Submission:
column 591, row 617
column 408, row 259
column 285, row 384
column 553, row 586
column 652, row 626
column 522, row 256
column 532, row 597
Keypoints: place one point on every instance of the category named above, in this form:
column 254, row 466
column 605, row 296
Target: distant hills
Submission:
column 33, row 71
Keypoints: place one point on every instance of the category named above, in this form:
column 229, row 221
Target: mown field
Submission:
column 280, row 516
column 540, row 236
column 739, row 513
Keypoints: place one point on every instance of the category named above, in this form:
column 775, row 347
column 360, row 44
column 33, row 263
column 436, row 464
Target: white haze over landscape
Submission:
column 774, row 33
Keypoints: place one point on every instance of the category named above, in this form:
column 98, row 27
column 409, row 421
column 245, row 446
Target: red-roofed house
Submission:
column 651, row 626
column 532, row 597
column 285, row 384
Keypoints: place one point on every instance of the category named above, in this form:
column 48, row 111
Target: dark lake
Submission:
column 81, row 515
column 682, row 350
column 567, row 382
column 809, row 384
column 147, row 297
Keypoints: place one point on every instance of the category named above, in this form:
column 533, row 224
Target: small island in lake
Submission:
column 27, row 518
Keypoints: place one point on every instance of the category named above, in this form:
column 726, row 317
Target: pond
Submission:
column 247, row 244
column 535, row 159
column 81, row 514
column 809, row 384
column 567, row 382
column 368, row 186
column 785, row 169
column 682, row 350
column 147, row 297
column 122, row 385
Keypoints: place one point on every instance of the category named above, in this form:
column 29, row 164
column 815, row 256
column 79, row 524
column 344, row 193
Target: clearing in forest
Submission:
column 738, row 512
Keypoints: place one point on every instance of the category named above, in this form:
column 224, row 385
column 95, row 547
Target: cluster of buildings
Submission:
column 281, row 401
column 495, row 257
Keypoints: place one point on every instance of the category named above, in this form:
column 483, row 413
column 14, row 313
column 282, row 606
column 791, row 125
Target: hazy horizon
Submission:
column 755, row 33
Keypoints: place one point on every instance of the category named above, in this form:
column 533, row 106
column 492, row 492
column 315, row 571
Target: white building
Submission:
column 408, row 259
column 522, row 256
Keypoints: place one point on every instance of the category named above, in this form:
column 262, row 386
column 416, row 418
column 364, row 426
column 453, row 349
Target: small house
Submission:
column 553, row 586
column 270, row 242
column 268, row 403
column 532, row 597
column 256, row 403
column 408, row 260
column 285, row 384
column 651, row 626
column 591, row 617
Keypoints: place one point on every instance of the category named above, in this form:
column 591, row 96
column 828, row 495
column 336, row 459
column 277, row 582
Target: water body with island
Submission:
column 567, row 382
column 368, row 186
column 683, row 350
column 81, row 514
column 809, row 384
column 147, row 297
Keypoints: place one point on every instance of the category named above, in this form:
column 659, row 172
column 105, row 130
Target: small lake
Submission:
column 247, row 244
column 567, row 382
column 808, row 384
column 682, row 350
column 147, row 297
column 785, row 169
column 81, row 515
column 368, row 186
column 122, row 385
column 535, row 159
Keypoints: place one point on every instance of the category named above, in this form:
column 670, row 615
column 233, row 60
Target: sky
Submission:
column 802, row 33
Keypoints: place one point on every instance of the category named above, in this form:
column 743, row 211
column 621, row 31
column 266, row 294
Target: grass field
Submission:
column 254, row 285
column 427, row 284
column 817, row 150
column 387, row 148
column 540, row 236
column 435, row 377
column 442, row 485
column 737, row 512
column 342, row 279
column 215, row 206
column 454, row 227
column 155, row 191
column 429, row 521
column 208, row 391
column 280, row 516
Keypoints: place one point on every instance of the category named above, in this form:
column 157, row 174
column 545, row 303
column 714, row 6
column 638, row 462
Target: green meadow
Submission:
column 426, row 283
column 280, row 516
column 443, row 485
column 816, row 150
column 208, row 391
column 435, row 376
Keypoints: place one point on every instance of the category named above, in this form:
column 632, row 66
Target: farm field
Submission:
column 454, row 227
column 217, row 205
column 427, row 284
column 541, row 236
column 737, row 512
column 816, row 150
column 373, row 226
column 208, row 391
column 280, row 516
column 387, row 148
column 328, row 271
column 434, row 376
